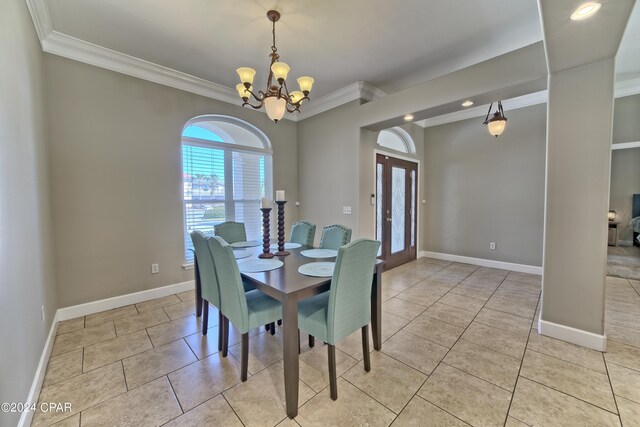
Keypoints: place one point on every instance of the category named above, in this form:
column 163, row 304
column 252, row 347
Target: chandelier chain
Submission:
column 274, row 49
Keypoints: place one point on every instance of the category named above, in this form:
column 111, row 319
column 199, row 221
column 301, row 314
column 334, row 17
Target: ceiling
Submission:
column 628, row 58
column 393, row 45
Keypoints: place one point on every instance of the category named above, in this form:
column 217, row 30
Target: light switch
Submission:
column 346, row 210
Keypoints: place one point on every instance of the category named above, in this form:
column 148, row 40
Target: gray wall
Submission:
column 480, row 189
column 626, row 119
column 117, row 179
column 26, row 264
column 625, row 182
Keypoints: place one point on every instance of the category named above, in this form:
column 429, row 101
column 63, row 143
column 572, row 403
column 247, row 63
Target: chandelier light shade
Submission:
column 498, row 122
column 276, row 99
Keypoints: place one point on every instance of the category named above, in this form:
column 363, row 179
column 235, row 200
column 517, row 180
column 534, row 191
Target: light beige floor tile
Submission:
column 187, row 296
column 630, row 307
column 176, row 311
column 72, row 421
column 115, row 349
column 520, row 308
column 402, row 281
column 418, row 412
column 260, row 401
column 82, row 391
column 635, row 284
column 466, row 397
column 491, row 366
column 460, row 301
column 204, row 379
column 535, row 404
column 388, row 293
column 448, row 276
column 141, row 321
column 157, row 303
column 390, row 325
column 625, row 382
column 512, row 422
column 461, row 267
column 314, row 366
column 434, row 330
column 152, row 404
column 70, row 325
column 446, row 313
column 531, row 279
column 106, row 316
column 623, row 355
column 288, row 422
column 519, row 290
column 501, row 320
column 582, row 356
column 501, row 340
column 353, row 408
column 622, row 291
column 176, row 329
column 629, row 412
column 82, row 337
column 390, row 382
column 416, row 352
column 264, row 351
column 628, row 320
column 352, row 345
column 472, row 290
column 145, row 367
column 419, row 294
column 436, row 286
column 401, row 308
column 214, row 412
column 623, row 334
column 62, row 367
column 579, row 382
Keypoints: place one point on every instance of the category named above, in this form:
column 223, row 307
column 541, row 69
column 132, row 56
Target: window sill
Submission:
column 187, row 266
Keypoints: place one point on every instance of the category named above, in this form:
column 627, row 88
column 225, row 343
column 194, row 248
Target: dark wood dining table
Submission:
column 288, row 286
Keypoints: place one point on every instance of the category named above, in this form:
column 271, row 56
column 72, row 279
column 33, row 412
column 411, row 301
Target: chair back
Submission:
column 231, row 231
column 206, row 269
column 334, row 236
column 303, row 232
column 233, row 301
column 349, row 306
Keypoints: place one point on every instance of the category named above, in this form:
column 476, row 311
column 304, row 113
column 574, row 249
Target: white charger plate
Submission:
column 258, row 265
column 319, row 253
column 317, row 269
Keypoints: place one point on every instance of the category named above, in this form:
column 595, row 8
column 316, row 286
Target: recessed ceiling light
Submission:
column 468, row 103
column 585, row 11
column 408, row 117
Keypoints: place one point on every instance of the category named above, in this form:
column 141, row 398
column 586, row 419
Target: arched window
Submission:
column 226, row 170
column 397, row 139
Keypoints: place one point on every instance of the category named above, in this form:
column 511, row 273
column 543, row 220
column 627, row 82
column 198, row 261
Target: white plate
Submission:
column 251, row 244
column 243, row 253
column 258, row 265
column 317, row 269
column 287, row 245
column 320, row 253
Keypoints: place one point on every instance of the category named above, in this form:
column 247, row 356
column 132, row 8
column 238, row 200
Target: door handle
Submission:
column 389, row 219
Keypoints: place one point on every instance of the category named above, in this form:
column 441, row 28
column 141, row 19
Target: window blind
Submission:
column 221, row 183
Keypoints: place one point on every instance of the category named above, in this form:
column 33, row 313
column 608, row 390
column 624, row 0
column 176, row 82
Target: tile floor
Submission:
column 460, row 349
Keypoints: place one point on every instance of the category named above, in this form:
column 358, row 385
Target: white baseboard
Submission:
column 521, row 268
column 122, row 300
column 36, row 385
column 573, row 335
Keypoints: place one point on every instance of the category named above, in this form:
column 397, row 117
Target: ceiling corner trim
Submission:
column 352, row 92
column 627, row 88
column 41, row 19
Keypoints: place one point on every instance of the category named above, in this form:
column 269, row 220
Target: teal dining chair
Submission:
column 246, row 310
column 334, row 236
column 208, row 282
column 346, row 306
column 231, row 231
column 303, row 232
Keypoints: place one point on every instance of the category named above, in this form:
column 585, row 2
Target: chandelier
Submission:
column 276, row 99
column 498, row 122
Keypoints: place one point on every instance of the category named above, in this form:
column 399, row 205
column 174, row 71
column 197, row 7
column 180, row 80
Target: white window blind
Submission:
column 222, row 182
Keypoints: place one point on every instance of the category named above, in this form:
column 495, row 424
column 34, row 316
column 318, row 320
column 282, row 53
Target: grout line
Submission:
column 615, row 401
column 566, row 361
column 174, row 393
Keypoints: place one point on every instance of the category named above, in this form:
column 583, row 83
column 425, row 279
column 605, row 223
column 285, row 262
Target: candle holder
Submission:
column 266, row 237
column 281, row 251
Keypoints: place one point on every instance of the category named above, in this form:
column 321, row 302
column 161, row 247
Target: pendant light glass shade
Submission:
column 275, row 107
column 497, row 124
column 243, row 91
column 296, row 96
column 305, row 83
column 246, row 74
column 280, row 71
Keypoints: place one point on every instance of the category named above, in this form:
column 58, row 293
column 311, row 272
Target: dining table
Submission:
column 289, row 286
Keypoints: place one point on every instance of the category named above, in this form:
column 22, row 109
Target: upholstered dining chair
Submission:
column 346, row 306
column 208, row 282
column 334, row 236
column 231, row 231
column 246, row 310
column 303, row 232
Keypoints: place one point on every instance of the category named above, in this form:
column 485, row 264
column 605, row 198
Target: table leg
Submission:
column 290, row 354
column 198, row 287
column 376, row 308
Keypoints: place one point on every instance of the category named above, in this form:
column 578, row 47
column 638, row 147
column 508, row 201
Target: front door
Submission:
column 396, row 203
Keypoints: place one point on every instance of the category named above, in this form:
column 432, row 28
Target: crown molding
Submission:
column 358, row 90
column 627, row 88
column 40, row 17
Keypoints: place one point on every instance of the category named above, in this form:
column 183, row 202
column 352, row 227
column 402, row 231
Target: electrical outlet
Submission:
column 297, row 203
column 346, row 210
column 155, row 268
column 492, row 246
column 42, row 313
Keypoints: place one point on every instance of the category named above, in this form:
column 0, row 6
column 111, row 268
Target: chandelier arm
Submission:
column 486, row 119
column 255, row 107
column 256, row 97
column 500, row 108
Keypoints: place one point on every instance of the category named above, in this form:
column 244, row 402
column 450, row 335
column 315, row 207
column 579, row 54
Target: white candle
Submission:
column 280, row 196
column 266, row 203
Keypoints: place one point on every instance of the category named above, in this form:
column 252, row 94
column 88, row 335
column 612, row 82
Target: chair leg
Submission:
column 225, row 337
column 333, row 381
column 267, row 327
column 312, row 341
column 299, row 351
column 272, row 327
column 220, row 330
column 365, row 348
column 205, row 316
column 245, row 356
column 280, row 322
